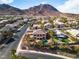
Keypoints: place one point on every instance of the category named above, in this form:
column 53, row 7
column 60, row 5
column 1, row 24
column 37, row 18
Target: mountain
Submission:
column 6, row 9
column 42, row 10
column 69, row 15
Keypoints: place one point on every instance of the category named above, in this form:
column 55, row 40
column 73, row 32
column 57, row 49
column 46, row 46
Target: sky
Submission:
column 66, row 6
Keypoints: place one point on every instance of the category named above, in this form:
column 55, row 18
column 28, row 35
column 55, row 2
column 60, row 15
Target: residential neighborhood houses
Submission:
column 12, row 25
column 39, row 29
column 49, row 35
column 54, row 36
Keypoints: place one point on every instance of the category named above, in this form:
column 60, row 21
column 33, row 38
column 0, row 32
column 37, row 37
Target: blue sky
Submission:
column 23, row 4
column 67, row 6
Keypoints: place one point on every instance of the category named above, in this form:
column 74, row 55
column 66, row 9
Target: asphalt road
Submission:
column 5, row 52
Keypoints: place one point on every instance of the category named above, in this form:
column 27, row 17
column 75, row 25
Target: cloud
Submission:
column 70, row 6
column 6, row 1
column 44, row 2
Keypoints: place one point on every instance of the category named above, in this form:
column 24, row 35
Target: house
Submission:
column 57, row 31
column 11, row 26
column 60, row 34
column 58, row 23
column 25, row 20
column 20, row 21
column 48, row 25
column 74, row 33
column 63, row 36
column 45, row 21
column 36, row 26
column 39, row 34
column 3, row 22
column 77, row 35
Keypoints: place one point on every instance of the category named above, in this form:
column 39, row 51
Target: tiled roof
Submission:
column 38, row 31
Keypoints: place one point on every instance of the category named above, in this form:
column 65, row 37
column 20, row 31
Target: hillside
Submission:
column 40, row 10
column 9, row 10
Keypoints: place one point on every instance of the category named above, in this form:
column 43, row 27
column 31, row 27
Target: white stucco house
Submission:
column 60, row 34
column 58, row 23
column 39, row 34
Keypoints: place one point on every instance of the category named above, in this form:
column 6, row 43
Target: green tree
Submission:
column 51, row 33
column 40, row 43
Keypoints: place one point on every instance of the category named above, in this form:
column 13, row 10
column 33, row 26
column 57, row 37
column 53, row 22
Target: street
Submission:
column 5, row 52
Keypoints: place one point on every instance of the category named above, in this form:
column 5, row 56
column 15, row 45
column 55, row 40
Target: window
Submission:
column 40, row 35
column 37, row 34
column 34, row 35
column 43, row 34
